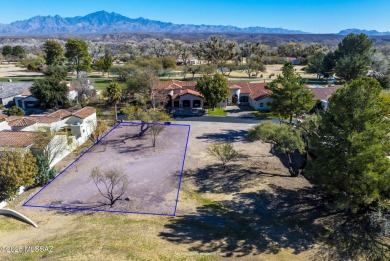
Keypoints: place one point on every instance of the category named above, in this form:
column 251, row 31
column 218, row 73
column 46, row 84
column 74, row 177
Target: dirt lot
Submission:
column 153, row 173
column 252, row 210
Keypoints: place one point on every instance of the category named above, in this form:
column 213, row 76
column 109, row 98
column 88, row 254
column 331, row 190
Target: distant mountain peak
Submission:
column 103, row 22
column 359, row 31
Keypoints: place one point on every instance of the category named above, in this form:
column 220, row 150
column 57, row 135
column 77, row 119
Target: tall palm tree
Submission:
column 114, row 95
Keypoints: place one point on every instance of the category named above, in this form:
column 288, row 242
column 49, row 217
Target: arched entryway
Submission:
column 235, row 99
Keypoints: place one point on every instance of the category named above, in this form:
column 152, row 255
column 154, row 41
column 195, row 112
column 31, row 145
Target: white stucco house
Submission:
column 183, row 94
column 69, row 129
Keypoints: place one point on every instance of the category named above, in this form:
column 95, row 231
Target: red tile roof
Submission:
column 175, row 84
column 60, row 114
column 20, row 122
column 187, row 91
column 233, row 86
column 323, row 93
column 256, row 90
column 84, row 112
column 17, row 139
column 36, row 119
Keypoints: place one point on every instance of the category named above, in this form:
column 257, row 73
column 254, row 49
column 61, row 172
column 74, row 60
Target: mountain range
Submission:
column 367, row 32
column 103, row 22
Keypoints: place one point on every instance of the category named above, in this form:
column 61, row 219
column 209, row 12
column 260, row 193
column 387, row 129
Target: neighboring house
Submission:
column 253, row 94
column 26, row 100
column 10, row 90
column 293, row 60
column 181, row 94
column 72, row 90
column 82, row 123
column 17, row 140
column 70, row 129
column 322, row 94
column 191, row 61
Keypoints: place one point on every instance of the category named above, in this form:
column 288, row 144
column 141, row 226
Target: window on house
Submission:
column 244, row 98
column 261, row 104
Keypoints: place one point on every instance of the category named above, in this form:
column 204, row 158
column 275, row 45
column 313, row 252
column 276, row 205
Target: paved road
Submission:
column 227, row 119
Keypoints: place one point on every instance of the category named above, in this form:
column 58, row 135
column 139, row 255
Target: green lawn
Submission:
column 216, row 112
column 21, row 79
column 262, row 114
column 102, row 83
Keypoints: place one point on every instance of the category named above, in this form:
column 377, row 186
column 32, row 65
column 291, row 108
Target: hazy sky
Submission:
column 316, row 16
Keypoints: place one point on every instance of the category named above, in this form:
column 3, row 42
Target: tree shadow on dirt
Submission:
column 216, row 179
column 355, row 237
column 130, row 149
column 74, row 207
column 225, row 136
column 252, row 223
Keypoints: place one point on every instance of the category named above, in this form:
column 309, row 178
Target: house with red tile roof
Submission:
column 322, row 94
column 184, row 94
column 78, row 124
column 17, row 139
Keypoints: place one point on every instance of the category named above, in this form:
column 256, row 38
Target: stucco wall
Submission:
column 191, row 98
column 256, row 104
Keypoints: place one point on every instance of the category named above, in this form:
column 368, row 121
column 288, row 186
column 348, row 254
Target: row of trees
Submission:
column 353, row 58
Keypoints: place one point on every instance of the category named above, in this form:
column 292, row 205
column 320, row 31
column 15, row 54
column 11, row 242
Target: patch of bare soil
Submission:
column 153, row 173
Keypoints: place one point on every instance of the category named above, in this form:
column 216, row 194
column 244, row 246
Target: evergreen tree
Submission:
column 353, row 56
column 54, row 53
column 351, row 145
column 77, row 54
column 289, row 94
column 45, row 173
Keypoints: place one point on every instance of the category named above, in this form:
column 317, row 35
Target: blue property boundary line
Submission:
column 63, row 171
column 115, row 211
column 182, row 171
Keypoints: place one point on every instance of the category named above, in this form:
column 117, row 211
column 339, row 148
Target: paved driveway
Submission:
column 239, row 111
column 227, row 119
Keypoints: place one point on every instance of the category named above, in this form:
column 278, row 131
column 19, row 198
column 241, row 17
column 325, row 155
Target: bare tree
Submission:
column 84, row 89
column 99, row 129
column 152, row 82
column 112, row 184
column 223, row 151
column 155, row 131
column 52, row 144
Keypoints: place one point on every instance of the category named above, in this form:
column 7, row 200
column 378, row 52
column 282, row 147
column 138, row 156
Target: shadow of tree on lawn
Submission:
column 252, row 223
column 216, row 179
